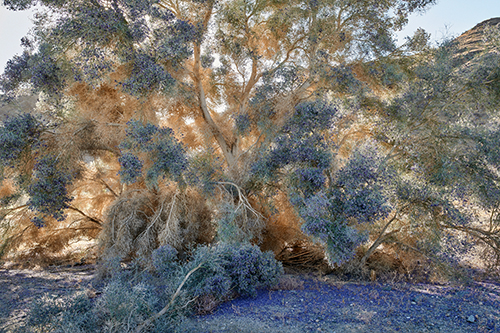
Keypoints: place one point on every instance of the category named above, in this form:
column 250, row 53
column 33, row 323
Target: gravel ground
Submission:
column 325, row 305
column 317, row 304
column 19, row 287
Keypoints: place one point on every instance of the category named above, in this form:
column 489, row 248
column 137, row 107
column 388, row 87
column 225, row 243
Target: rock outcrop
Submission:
column 471, row 42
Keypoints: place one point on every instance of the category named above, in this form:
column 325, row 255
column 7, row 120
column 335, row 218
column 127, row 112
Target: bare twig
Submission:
column 67, row 143
column 157, row 216
column 242, row 198
column 417, row 250
column 108, row 187
column 171, row 208
column 8, row 211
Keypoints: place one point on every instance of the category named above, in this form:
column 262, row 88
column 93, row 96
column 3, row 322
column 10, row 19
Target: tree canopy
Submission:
column 180, row 122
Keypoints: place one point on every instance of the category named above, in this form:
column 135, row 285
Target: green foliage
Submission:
column 442, row 128
column 301, row 158
column 72, row 313
column 241, row 268
column 238, row 222
column 164, row 260
column 120, row 308
column 46, row 185
column 49, row 189
column 124, row 305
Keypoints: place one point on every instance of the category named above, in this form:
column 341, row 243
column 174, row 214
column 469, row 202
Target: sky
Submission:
column 446, row 18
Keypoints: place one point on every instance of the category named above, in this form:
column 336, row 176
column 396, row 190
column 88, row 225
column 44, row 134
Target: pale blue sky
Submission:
column 447, row 17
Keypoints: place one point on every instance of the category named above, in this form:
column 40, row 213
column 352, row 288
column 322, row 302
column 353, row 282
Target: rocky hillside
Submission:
column 471, row 42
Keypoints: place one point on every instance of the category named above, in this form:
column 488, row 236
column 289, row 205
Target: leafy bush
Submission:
column 160, row 298
column 123, row 306
column 328, row 201
column 242, row 268
column 164, row 261
column 72, row 313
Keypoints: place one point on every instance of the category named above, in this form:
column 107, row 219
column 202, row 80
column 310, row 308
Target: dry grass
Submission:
column 23, row 244
column 289, row 282
column 303, row 256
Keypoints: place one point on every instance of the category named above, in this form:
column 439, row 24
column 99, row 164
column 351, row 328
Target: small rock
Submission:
column 471, row 319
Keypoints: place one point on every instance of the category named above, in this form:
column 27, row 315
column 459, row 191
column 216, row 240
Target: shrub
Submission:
column 71, row 313
column 160, row 296
column 250, row 269
column 164, row 260
column 242, row 268
column 124, row 306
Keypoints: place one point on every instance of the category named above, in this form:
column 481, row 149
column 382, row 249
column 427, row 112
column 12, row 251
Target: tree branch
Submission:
column 382, row 236
column 86, row 216
column 108, row 187
column 150, row 320
column 219, row 137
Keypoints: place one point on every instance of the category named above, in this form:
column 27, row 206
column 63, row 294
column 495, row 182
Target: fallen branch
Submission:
column 243, row 200
column 151, row 319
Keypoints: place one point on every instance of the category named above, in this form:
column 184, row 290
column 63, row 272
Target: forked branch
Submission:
column 380, row 239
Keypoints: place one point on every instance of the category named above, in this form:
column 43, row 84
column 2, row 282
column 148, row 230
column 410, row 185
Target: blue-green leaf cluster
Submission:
column 48, row 191
column 17, row 135
column 166, row 155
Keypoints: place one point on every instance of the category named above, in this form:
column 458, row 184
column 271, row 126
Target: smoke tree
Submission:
column 263, row 117
column 441, row 130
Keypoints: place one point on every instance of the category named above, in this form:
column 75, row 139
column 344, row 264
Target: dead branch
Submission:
column 108, row 187
column 243, row 201
column 150, row 320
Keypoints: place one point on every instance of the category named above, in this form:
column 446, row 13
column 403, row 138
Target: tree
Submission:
column 442, row 132
column 250, row 92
